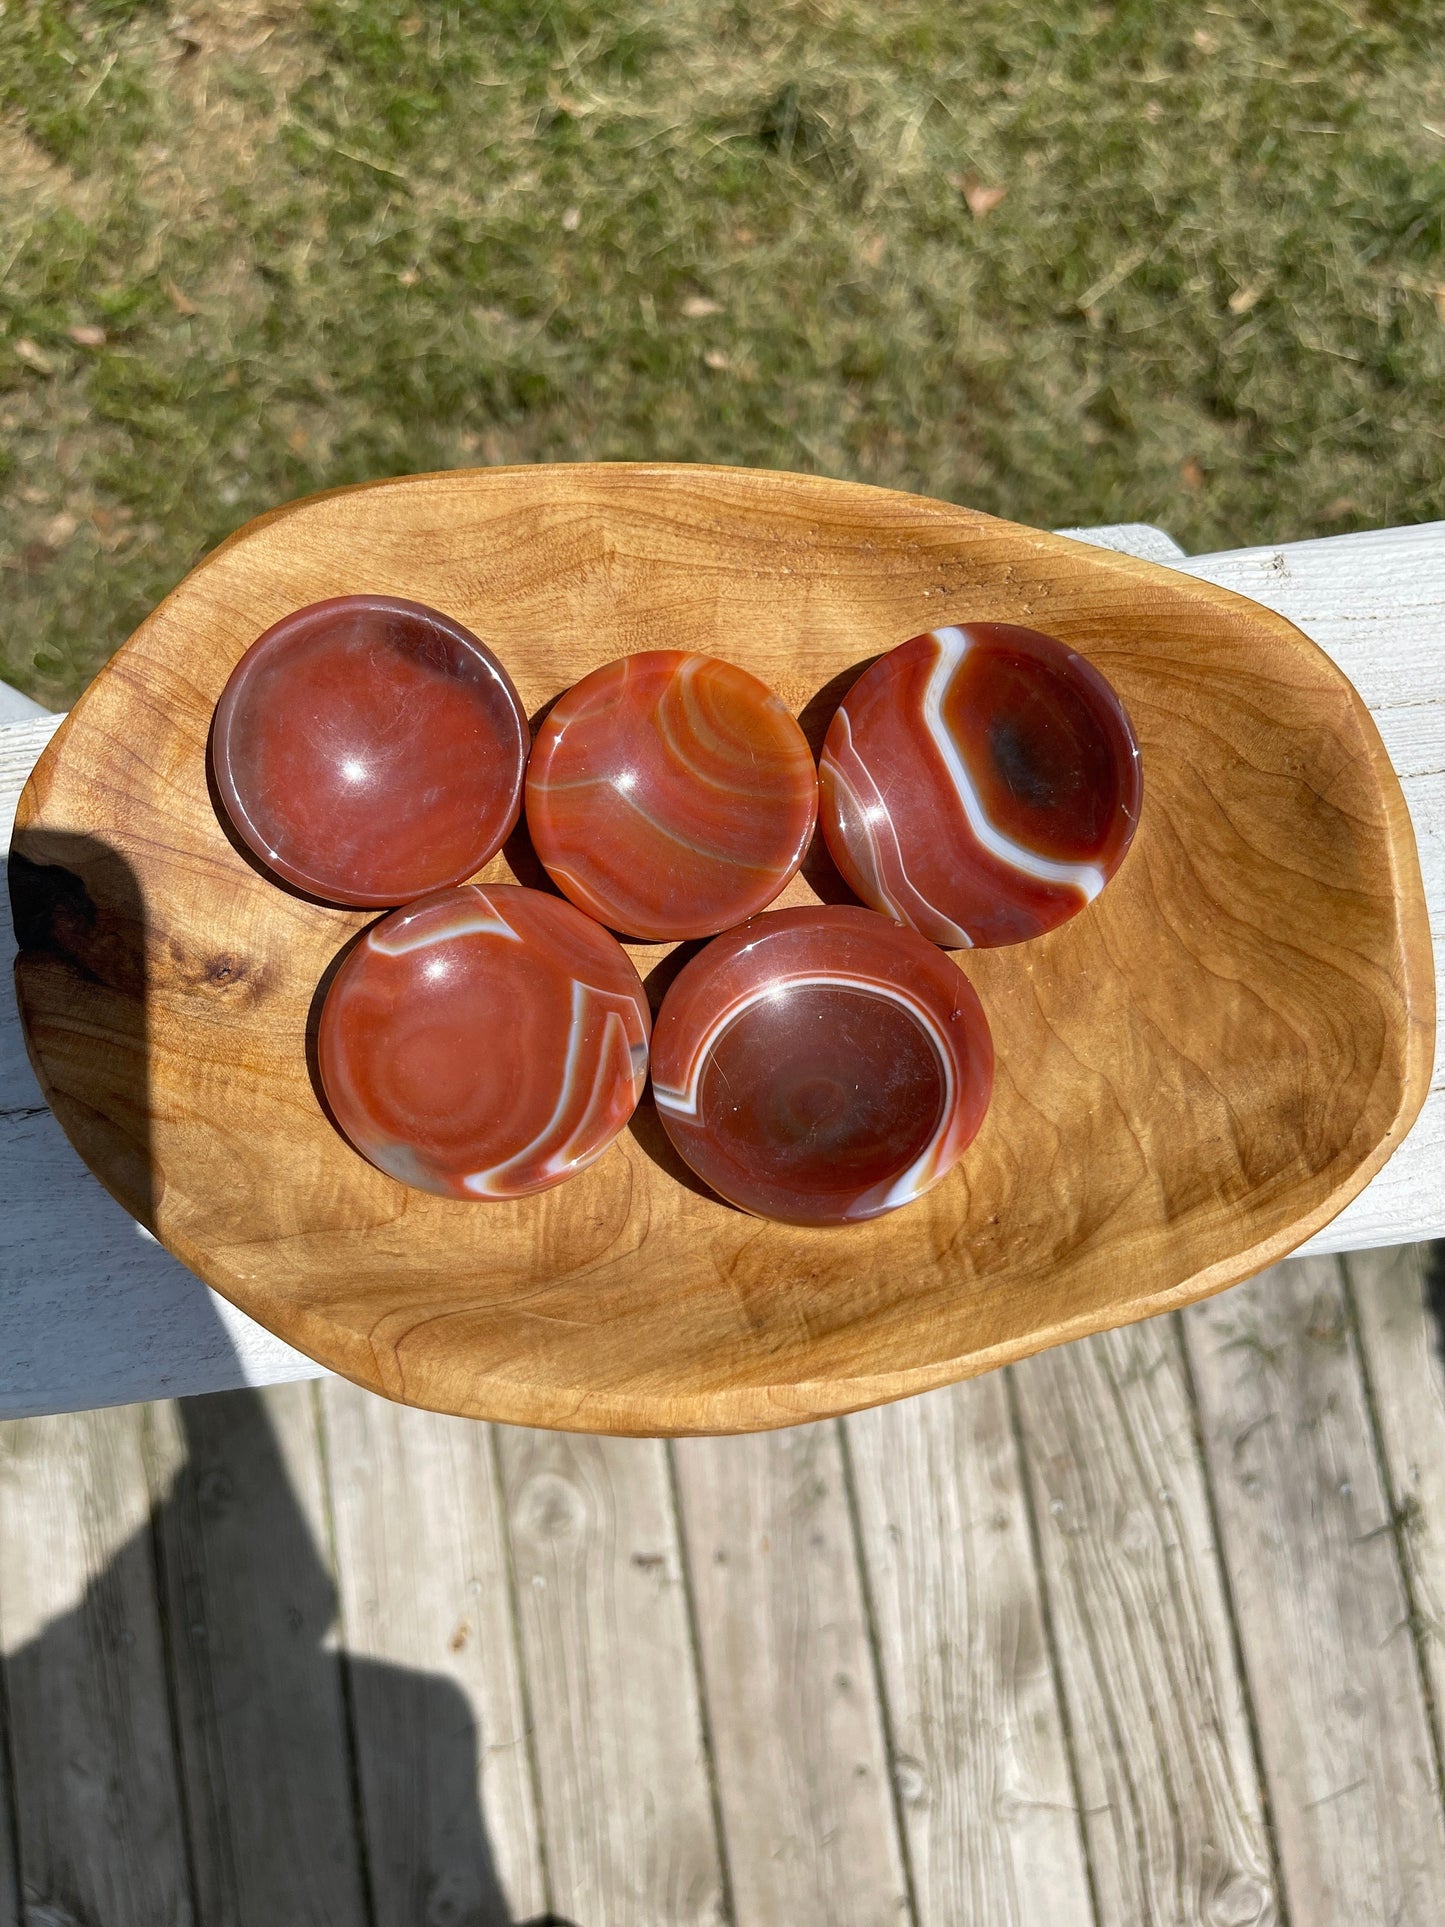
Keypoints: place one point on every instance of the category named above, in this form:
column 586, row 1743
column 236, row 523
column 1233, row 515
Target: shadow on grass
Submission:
column 257, row 1774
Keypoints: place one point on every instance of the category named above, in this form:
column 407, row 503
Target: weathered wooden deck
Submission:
column 1150, row 1629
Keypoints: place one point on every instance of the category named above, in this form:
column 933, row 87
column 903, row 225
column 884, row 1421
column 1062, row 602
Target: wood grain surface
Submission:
column 803, row 1778
column 423, row 1572
column 9, row 1859
column 1309, row 1546
column 985, row 1784
column 1168, row 1782
column 1194, row 1075
column 99, row 1817
column 1399, row 1304
column 256, row 1678
column 630, row 1833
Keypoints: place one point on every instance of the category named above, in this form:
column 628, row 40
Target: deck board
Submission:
column 1396, row 1297
column 98, row 1800
column 804, row 1786
column 9, row 1861
column 1308, row 1542
column 628, row 1823
column 984, row 1780
column 257, row 1680
column 1172, row 1805
column 437, row 1698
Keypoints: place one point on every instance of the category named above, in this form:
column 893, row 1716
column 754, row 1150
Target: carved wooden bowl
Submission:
column 1193, row 1076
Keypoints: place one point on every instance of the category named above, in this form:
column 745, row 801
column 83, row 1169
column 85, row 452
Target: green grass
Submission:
column 352, row 238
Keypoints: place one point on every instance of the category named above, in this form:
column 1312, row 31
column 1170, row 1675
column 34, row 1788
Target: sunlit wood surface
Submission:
column 1193, row 1077
column 1147, row 1629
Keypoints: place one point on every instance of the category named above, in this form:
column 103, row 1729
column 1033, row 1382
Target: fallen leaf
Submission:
column 697, row 306
column 87, row 335
column 715, row 358
column 1191, row 474
column 1342, row 506
column 298, row 441
column 1243, row 299
column 59, row 529
column 460, row 1636
column 35, row 555
column 110, row 527
column 409, row 277
column 33, row 356
column 744, row 236
column 182, row 303
column 1204, row 41
column 571, row 220
column 980, row 197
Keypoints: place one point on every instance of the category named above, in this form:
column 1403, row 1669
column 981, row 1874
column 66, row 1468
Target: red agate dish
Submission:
column 671, row 795
column 368, row 750
column 484, row 1042
column 821, row 1066
column 980, row 783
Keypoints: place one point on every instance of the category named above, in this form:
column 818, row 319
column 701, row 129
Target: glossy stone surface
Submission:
column 670, row 795
column 484, row 1042
column 368, row 750
column 980, row 784
column 821, row 1066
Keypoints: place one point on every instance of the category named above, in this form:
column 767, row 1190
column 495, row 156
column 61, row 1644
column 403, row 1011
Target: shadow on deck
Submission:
column 278, row 1816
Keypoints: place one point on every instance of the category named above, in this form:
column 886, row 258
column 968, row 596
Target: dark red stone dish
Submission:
column 981, row 784
column 368, row 750
column 484, row 1042
column 671, row 795
column 821, row 1066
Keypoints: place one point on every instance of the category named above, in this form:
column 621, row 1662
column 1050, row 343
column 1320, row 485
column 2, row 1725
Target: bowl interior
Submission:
column 1192, row 1075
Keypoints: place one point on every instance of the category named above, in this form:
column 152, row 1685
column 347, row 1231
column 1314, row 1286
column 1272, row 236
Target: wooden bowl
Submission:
column 1193, row 1076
